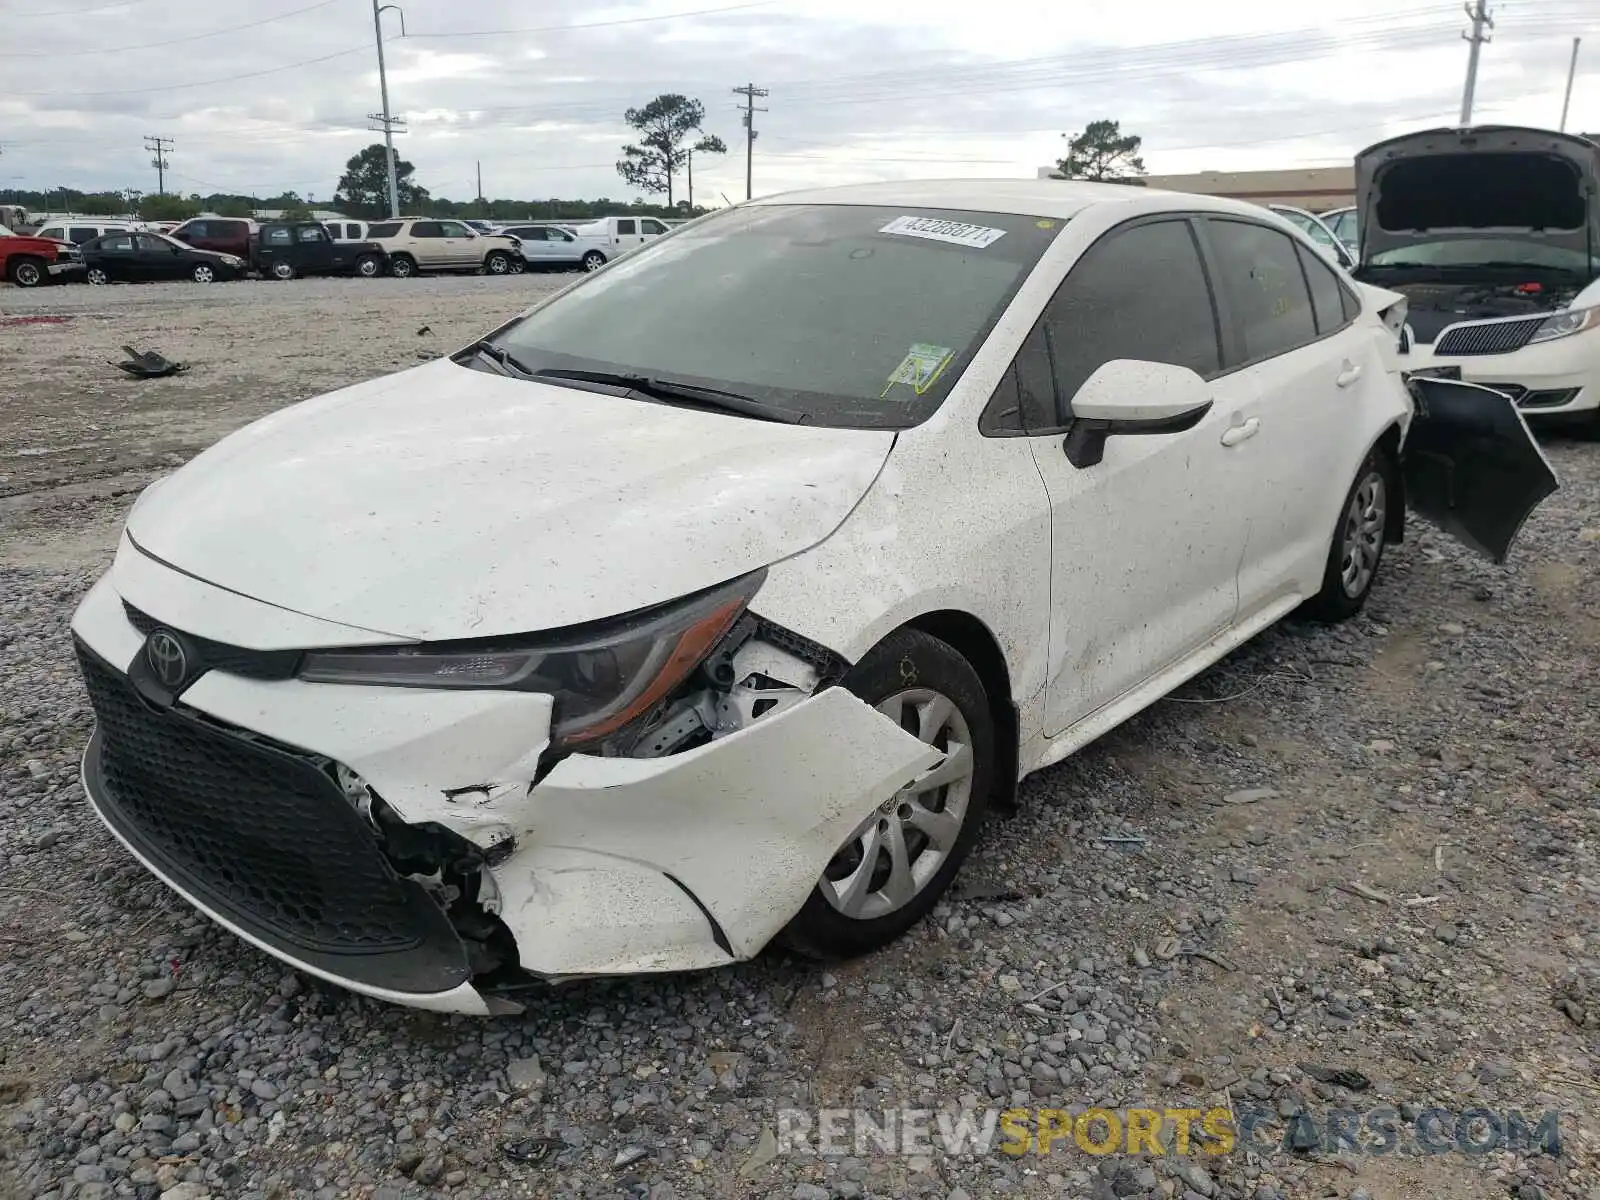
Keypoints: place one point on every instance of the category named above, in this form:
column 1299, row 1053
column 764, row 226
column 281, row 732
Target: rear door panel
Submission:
column 1471, row 465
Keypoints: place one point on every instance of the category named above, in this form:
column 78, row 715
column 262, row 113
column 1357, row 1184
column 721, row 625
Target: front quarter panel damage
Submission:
column 746, row 823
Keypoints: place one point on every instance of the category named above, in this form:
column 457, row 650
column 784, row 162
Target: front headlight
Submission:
column 602, row 677
column 1565, row 324
column 233, row 260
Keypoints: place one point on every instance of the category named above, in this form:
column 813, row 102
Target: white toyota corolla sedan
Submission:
column 716, row 598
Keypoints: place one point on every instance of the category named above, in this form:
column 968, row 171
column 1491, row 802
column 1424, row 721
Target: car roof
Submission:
column 1024, row 197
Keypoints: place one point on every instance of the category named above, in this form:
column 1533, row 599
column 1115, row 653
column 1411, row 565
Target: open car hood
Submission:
column 1443, row 183
column 445, row 502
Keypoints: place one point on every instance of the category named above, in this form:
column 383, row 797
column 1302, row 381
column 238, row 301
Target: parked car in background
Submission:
column 148, row 257
column 1318, row 232
column 483, row 226
column 1493, row 236
column 29, row 261
column 224, row 235
column 86, row 230
column 611, row 236
column 347, row 231
column 722, row 597
column 285, row 249
column 416, row 244
column 550, row 245
column 1345, row 226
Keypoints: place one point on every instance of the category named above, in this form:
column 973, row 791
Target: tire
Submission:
column 283, row 270
column 497, row 262
column 593, row 260
column 203, row 273
column 28, row 272
column 97, row 276
column 402, row 266
column 519, row 265
column 908, row 675
column 369, row 266
column 1358, row 541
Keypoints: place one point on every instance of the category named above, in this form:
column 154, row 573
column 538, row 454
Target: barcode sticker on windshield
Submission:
column 920, row 368
column 957, row 233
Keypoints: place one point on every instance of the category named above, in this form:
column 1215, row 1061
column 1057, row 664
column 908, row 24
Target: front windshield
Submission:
column 854, row 316
column 1483, row 252
column 4, row 232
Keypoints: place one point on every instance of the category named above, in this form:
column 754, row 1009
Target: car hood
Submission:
column 445, row 502
column 1475, row 182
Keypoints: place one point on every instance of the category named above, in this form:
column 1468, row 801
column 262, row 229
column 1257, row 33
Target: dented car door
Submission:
column 1471, row 465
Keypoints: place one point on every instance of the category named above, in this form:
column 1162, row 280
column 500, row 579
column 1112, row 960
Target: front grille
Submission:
column 1495, row 337
column 262, row 835
column 218, row 656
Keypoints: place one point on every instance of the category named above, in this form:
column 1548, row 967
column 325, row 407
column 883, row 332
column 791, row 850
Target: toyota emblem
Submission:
column 166, row 657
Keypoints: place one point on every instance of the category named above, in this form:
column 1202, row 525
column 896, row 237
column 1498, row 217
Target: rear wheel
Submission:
column 897, row 863
column 369, row 266
column 27, row 272
column 402, row 266
column 203, row 273
column 593, row 260
column 1358, row 542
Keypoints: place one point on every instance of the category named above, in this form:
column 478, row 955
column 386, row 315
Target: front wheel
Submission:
column 1358, row 542
column 27, row 272
column 498, row 262
column 593, row 260
column 203, row 273
column 900, row 859
column 97, row 275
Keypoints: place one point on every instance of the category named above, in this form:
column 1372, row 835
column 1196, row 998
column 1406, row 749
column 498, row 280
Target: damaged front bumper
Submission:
column 394, row 841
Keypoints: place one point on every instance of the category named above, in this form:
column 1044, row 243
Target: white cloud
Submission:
column 860, row 89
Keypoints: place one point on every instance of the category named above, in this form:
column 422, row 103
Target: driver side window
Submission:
column 1140, row 292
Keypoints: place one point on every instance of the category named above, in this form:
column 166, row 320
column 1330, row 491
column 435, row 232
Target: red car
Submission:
column 30, row 261
column 224, row 235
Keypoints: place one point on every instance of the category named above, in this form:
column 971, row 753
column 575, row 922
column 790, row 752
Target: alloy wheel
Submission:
column 894, row 854
column 96, row 275
column 1362, row 542
column 204, row 274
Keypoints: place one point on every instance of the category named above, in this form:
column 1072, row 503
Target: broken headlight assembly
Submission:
column 1565, row 324
column 604, row 678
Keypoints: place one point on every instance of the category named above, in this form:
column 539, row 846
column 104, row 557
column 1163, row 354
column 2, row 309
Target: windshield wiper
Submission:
column 501, row 357
column 671, row 389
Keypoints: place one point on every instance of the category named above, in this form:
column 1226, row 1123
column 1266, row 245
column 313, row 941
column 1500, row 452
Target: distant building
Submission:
column 1315, row 188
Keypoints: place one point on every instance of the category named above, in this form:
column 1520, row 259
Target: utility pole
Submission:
column 1572, row 70
column 480, row 185
column 749, row 91
column 1478, row 12
column 386, row 120
column 161, row 147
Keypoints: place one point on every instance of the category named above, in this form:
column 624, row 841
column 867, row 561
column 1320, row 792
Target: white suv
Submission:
column 423, row 244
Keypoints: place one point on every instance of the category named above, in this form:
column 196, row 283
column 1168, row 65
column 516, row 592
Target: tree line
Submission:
column 669, row 135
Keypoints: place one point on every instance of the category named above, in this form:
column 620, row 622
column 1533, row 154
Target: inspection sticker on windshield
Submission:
column 957, row 233
column 920, row 368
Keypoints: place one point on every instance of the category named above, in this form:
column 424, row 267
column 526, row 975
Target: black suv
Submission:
column 285, row 249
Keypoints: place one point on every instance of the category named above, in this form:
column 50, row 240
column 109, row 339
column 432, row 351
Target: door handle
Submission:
column 1347, row 376
column 1234, row 434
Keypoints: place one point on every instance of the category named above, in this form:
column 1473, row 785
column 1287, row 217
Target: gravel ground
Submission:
column 1348, row 869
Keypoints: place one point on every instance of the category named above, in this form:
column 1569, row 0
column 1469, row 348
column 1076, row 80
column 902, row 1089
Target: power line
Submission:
column 193, row 37
column 76, row 12
column 749, row 91
column 175, row 87
column 698, row 12
column 162, row 147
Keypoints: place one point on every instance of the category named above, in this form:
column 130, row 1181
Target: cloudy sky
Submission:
column 263, row 95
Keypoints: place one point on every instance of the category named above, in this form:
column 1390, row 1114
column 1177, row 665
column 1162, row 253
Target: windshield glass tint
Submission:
column 1477, row 252
column 854, row 316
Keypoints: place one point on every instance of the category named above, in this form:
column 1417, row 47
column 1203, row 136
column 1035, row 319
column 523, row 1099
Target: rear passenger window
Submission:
column 625, row 227
column 1348, row 302
column 385, row 230
column 1259, row 273
column 1327, row 302
column 1138, row 293
column 83, row 233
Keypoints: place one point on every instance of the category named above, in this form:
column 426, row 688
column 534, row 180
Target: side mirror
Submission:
column 1124, row 397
